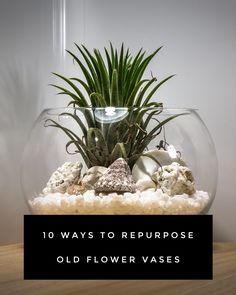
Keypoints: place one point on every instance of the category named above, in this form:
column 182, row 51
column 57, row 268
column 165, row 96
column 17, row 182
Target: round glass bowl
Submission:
column 119, row 161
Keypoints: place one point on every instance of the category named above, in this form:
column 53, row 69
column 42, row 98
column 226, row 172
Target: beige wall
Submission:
column 200, row 45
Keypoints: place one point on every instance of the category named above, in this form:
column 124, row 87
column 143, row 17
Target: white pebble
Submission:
column 147, row 202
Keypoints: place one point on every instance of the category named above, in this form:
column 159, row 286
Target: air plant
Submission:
column 111, row 82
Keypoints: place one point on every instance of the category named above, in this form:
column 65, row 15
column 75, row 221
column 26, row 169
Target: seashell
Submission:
column 92, row 176
column 144, row 167
column 75, row 189
column 175, row 179
column 117, row 178
column 64, row 176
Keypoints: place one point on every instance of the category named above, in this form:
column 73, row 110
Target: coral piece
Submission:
column 92, row 176
column 175, row 179
column 146, row 166
column 117, row 178
column 63, row 177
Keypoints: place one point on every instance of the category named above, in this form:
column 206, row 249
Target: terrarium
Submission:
column 115, row 149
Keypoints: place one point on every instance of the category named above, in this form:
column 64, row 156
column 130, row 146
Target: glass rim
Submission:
column 174, row 109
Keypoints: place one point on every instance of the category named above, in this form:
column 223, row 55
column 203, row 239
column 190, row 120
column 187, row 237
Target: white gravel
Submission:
column 146, row 202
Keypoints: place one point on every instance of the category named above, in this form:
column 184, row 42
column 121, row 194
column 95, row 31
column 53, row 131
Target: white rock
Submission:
column 145, row 183
column 63, row 177
column 92, row 176
column 175, row 179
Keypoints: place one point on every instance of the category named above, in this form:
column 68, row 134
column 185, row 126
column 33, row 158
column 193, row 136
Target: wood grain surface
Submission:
column 224, row 282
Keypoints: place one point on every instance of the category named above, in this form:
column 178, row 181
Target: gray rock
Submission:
column 117, row 178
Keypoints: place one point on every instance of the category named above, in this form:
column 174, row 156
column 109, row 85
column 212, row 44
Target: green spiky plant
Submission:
column 113, row 80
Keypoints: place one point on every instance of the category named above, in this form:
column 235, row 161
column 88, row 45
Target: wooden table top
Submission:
column 224, row 282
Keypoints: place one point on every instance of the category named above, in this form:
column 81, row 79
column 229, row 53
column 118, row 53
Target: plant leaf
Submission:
column 86, row 73
column 97, row 145
column 155, row 89
column 80, row 94
column 77, row 119
column 118, row 152
column 115, row 100
column 99, row 100
column 105, row 84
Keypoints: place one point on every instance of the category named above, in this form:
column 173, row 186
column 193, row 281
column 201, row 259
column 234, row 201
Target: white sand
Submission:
column 146, row 202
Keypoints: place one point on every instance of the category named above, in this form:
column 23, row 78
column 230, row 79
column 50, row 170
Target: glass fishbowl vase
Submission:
column 119, row 161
